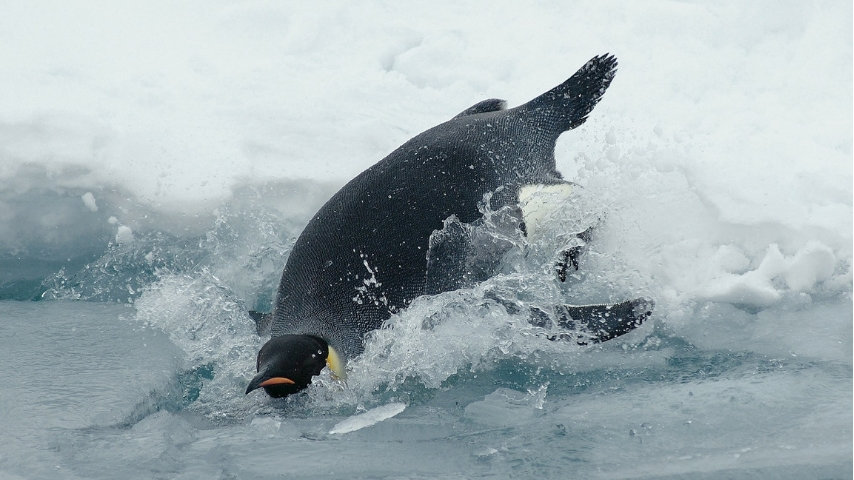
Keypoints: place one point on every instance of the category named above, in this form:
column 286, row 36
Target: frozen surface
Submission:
column 371, row 417
column 157, row 161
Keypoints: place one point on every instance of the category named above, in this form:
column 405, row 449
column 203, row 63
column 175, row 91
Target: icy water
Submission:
column 90, row 393
column 158, row 160
column 142, row 376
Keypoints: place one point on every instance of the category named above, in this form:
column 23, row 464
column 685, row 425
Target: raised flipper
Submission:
column 491, row 105
column 447, row 257
column 263, row 322
column 464, row 254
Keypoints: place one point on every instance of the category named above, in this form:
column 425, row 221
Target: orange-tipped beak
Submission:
column 276, row 381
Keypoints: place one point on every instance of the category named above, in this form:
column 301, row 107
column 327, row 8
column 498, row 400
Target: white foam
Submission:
column 811, row 265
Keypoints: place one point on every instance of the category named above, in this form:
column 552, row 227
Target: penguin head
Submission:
column 286, row 364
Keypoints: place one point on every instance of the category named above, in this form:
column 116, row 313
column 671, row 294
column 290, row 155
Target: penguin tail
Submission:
column 567, row 105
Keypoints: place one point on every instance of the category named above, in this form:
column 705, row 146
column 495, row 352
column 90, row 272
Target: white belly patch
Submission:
column 538, row 202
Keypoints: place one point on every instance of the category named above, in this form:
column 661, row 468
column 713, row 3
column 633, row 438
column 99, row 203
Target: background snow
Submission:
column 179, row 102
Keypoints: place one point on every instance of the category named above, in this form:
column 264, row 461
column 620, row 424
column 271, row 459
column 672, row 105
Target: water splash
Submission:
column 205, row 320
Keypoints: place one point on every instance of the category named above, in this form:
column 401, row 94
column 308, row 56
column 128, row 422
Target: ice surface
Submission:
column 371, row 417
column 74, row 366
column 167, row 155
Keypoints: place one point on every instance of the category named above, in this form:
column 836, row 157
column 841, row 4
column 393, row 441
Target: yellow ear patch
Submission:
column 336, row 364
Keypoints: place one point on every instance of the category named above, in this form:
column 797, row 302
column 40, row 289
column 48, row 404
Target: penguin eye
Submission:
column 313, row 365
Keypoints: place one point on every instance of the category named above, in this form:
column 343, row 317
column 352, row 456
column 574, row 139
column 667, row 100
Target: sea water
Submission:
column 159, row 161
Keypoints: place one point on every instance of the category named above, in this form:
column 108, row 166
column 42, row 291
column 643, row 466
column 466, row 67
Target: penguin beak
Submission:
column 277, row 381
column 286, row 364
column 261, row 380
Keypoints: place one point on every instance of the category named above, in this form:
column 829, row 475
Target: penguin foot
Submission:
column 569, row 256
column 594, row 323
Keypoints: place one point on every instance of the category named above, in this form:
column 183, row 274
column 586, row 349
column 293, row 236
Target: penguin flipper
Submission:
column 567, row 105
column 263, row 322
column 596, row 323
column 463, row 254
column 490, row 105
